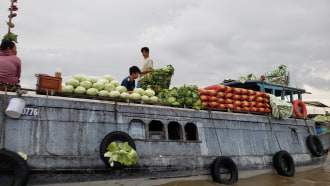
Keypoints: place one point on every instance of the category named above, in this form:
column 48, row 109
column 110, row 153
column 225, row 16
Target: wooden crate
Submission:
column 49, row 83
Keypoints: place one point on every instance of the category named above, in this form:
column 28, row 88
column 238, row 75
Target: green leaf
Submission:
column 112, row 147
column 125, row 147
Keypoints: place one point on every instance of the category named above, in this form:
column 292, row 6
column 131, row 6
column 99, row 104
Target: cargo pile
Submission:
column 184, row 96
column 158, row 80
column 239, row 99
column 105, row 87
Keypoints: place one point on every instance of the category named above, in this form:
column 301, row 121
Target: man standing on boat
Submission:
column 10, row 64
column 147, row 64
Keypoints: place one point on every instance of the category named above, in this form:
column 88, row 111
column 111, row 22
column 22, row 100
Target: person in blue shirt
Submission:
column 129, row 81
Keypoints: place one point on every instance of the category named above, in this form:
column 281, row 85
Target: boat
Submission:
column 65, row 139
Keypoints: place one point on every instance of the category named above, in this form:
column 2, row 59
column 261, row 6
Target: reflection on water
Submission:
column 314, row 177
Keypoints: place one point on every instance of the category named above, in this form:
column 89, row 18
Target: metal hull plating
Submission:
column 75, row 128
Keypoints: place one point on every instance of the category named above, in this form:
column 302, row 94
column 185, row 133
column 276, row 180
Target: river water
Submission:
column 313, row 177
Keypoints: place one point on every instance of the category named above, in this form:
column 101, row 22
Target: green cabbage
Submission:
column 153, row 99
column 79, row 77
column 145, row 98
column 92, row 91
column 122, row 153
column 104, row 93
column 135, row 96
column 80, row 90
column 114, row 94
column 86, row 84
column 109, row 87
column 124, row 95
column 149, row 92
column 171, row 99
column 115, row 83
column 109, row 78
column 91, row 79
column 121, row 89
column 103, row 81
column 98, row 86
column 73, row 82
column 139, row 91
column 67, row 88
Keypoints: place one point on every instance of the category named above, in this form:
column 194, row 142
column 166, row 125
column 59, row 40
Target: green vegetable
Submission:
column 139, row 91
column 80, row 90
column 98, row 85
column 145, row 98
column 103, row 81
column 135, row 96
column 92, row 79
column 86, row 84
column 158, row 80
column 121, row 89
column 171, row 99
column 149, row 92
column 114, row 94
column 67, row 88
column 124, row 95
column 176, row 104
column 73, row 82
column 115, row 83
column 79, row 77
column 153, row 99
column 92, row 92
column 109, row 78
column 322, row 118
column 109, row 87
column 12, row 37
column 104, row 93
column 122, row 153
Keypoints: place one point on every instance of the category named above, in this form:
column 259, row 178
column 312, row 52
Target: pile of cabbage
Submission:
column 186, row 95
column 158, row 80
column 105, row 87
column 322, row 118
column 122, row 153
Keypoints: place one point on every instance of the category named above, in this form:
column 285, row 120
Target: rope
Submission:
column 271, row 129
column 216, row 135
column 4, row 120
column 47, row 126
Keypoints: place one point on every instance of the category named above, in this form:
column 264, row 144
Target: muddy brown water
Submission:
column 313, row 177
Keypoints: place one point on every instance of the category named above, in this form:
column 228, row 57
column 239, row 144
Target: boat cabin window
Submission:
column 174, row 131
column 156, row 130
column 191, row 132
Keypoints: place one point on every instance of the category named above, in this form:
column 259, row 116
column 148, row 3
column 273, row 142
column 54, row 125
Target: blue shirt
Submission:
column 130, row 85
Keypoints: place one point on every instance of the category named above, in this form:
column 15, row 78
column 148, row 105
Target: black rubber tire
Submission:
column 315, row 145
column 284, row 164
column 229, row 164
column 16, row 164
column 114, row 136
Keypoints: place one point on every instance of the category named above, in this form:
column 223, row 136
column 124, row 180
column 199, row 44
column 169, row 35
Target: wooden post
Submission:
column 10, row 18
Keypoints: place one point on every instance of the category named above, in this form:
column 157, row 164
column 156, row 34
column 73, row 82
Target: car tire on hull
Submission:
column 114, row 136
column 315, row 145
column 219, row 166
column 284, row 164
column 12, row 161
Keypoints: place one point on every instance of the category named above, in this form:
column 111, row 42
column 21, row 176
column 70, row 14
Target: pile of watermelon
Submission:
column 225, row 97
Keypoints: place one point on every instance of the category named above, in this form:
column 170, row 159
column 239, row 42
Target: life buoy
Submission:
column 296, row 104
column 224, row 165
column 17, row 165
column 315, row 145
column 284, row 164
column 116, row 136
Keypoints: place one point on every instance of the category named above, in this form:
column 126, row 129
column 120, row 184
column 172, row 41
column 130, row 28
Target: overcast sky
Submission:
column 206, row 41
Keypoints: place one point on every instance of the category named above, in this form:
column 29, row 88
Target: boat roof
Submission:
column 258, row 85
column 315, row 104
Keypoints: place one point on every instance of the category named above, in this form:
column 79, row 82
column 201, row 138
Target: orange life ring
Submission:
column 296, row 111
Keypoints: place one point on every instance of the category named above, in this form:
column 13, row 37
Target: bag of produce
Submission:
column 259, row 99
column 236, row 97
column 244, row 97
column 158, row 80
column 221, row 95
column 280, row 108
column 213, row 99
column 237, row 91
